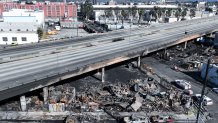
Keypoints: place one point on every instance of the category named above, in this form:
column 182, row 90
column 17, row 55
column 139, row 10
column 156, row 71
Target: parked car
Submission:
column 215, row 90
column 206, row 100
column 182, row 84
column 188, row 92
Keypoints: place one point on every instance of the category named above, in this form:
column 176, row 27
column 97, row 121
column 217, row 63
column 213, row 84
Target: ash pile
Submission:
column 137, row 95
column 134, row 97
column 189, row 58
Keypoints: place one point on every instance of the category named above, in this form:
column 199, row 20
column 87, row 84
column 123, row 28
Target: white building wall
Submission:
column 98, row 13
column 30, row 38
column 19, row 19
column 24, row 15
column 18, row 26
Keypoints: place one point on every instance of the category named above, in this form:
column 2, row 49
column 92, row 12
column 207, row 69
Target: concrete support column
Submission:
column 211, row 34
column 165, row 51
column 139, row 61
column 45, row 95
column 185, row 45
column 23, row 103
column 102, row 74
column 98, row 72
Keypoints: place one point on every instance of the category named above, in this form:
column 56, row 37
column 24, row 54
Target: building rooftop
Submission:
column 18, row 26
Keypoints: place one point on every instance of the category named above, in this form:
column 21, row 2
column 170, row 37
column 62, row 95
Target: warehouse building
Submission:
column 20, row 26
column 14, row 38
column 18, row 33
column 13, row 33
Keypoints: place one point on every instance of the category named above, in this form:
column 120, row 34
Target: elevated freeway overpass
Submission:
column 105, row 7
column 24, row 75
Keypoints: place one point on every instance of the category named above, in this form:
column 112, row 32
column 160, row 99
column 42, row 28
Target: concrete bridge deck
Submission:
column 25, row 75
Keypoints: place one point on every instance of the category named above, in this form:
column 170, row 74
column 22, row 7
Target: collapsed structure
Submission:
column 139, row 95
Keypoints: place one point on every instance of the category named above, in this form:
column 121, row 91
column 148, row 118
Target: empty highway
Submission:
column 45, row 48
column 15, row 75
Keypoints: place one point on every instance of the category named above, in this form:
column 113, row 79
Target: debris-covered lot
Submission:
column 137, row 99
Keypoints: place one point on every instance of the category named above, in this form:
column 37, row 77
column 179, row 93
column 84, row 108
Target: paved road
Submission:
column 20, row 72
column 45, row 48
column 165, row 70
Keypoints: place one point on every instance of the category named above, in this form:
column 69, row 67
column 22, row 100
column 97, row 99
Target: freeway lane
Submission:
column 47, row 48
column 19, row 73
column 11, row 66
column 26, row 64
column 66, row 55
column 10, row 70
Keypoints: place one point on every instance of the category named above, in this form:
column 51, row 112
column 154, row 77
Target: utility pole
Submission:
column 77, row 29
column 203, row 89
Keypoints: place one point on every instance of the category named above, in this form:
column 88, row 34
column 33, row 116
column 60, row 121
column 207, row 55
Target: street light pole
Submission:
column 203, row 90
column 130, row 30
column 77, row 29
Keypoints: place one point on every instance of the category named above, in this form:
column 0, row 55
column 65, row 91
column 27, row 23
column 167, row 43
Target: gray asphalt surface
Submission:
column 170, row 74
column 11, row 53
column 20, row 72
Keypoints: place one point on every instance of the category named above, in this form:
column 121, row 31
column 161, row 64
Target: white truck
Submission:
column 58, row 28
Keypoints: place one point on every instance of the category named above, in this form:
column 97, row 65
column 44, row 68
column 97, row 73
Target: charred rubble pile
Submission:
column 187, row 59
column 137, row 95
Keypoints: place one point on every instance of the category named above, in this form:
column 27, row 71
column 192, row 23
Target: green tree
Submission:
column 194, row 4
column 153, row 14
column 124, row 15
column 163, row 12
column 192, row 13
column 117, row 12
column 87, row 9
column 169, row 12
column 178, row 13
column 141, row 13
column 208, row 9
column 108, row 13
column 40, row 32
column 184, row 13
column 157, row 12
column 133, row 11
column 129, row 12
